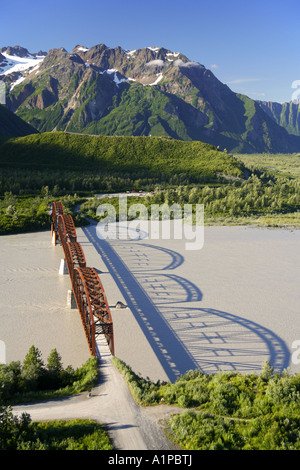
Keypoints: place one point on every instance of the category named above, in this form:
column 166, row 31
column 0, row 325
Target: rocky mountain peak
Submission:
column 17, row 51
column 151, row 90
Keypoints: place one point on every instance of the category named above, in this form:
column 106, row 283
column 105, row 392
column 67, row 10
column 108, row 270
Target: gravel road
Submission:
column 129, row 426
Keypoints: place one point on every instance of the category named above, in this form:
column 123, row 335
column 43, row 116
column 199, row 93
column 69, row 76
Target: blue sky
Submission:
column 250, row 45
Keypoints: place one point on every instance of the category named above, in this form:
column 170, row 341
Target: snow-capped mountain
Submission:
column 16, row 63
column 147, row 91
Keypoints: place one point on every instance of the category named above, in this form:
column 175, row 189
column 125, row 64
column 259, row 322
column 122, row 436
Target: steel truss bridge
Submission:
column 86, row 285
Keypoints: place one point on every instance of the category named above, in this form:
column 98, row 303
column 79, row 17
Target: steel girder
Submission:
column 86, row 285
column 93, row 307
column 66, row 229
column 57, row 208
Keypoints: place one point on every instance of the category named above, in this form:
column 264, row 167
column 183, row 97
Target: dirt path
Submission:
column 130, row 426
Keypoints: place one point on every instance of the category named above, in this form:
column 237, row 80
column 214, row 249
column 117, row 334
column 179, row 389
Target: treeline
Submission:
column 25, row 194
column 33, row 379
column 30, row 182
column 253, row 196
column 28, row 214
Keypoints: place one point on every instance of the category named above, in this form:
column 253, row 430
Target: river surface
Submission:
column 230, row 305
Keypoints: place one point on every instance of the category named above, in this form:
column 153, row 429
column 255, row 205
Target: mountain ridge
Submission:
column 286, row 114
column 147, row 91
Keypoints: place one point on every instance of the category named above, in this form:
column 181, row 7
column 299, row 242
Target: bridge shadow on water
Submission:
column 167, row 307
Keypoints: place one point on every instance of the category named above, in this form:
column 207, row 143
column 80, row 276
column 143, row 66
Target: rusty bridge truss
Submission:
column 86, row 285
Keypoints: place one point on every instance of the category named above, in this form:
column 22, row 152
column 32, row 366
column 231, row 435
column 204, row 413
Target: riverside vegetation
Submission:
column 226, row 411
column 259, row 200
column 32, row 380
column 270, row 196
column 27, row 214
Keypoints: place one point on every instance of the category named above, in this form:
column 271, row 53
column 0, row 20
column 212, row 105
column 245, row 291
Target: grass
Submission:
column 285, row 221
column 20, row 433
column 284, row 165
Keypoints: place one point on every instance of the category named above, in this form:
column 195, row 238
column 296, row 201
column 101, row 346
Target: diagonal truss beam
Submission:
column 86, row 285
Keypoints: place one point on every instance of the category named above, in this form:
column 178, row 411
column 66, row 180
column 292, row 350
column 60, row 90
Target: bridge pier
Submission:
column 71, row 302
column 63, row 268
column 54, row 238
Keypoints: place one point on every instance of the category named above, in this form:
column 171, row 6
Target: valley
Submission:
column 212, row 331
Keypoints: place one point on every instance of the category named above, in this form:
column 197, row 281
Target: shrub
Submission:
column 224, row 399
column 282, row 390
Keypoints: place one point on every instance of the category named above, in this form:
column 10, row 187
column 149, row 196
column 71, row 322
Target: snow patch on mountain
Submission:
column 174, row 54
column 159, row 78
column 131, row 53
column 154, row 49
column 18, row 64
column 17, row 82
column 82, row 49
column 116, row 79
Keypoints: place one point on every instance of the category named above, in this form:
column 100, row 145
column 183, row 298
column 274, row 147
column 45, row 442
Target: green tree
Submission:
column 54, row 362
column 33, row 358
column 33, row 368
column 267, row 371
column 54, row 376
